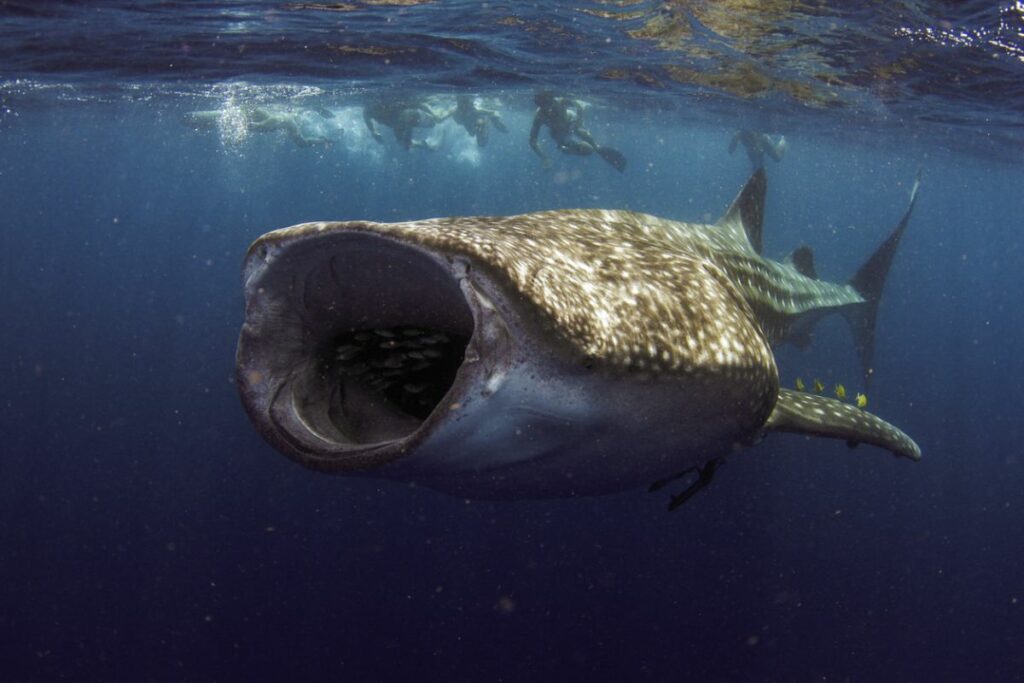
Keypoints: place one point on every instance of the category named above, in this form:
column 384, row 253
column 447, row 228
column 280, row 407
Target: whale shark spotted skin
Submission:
column 549, row 354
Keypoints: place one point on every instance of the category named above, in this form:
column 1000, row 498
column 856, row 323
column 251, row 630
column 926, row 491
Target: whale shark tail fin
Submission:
column 868, row 281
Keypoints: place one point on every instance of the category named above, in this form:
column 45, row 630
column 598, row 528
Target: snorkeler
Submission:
column 757, row 145
column 564, row 118
column 267, row 120
column 475, row 118
column 705, row 475
column 261, row 120
column 402, row 115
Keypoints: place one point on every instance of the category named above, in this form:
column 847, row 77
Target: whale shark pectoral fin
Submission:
column 819, row 416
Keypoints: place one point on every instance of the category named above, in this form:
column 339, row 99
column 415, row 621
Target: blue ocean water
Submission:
column 150, row 534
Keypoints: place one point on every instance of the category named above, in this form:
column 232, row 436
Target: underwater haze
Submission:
column 149, row 533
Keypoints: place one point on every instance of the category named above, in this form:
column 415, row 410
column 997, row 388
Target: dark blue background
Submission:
column 147, row 533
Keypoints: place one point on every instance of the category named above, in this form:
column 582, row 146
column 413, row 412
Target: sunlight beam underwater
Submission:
column 550, row 354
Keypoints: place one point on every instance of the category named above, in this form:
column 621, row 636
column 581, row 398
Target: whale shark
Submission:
column 550, row 354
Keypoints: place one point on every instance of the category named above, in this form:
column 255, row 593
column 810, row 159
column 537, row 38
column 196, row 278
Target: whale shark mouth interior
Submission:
column 411, row 368
column 385, row 330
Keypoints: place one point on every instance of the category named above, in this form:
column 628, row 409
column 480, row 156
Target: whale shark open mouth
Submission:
column 352, row 342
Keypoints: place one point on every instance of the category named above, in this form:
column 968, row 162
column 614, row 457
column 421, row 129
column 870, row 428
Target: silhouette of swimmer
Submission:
column 264, row 120
column 475, row 119
column 705, row 475
column 402, row 115
column 757, row 145
column 564, row 118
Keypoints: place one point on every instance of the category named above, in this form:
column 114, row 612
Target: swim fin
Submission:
column 614, row 157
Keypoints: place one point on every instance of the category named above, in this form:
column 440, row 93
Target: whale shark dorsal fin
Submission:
column 802, row 258
column 746, row 214
column 803, row 413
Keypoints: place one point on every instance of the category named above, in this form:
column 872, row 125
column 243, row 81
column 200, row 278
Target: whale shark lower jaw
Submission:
column 551, row 354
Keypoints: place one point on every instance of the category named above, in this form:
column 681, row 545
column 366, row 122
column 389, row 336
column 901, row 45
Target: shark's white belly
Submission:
column 547, row 434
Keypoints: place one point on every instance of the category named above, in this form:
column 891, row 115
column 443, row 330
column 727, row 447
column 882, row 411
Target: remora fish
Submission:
column 549, row 354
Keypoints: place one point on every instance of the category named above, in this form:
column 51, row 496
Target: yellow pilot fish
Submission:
column 818, row 386
column 840, row 391
column 800, row 386
column 861, row 400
